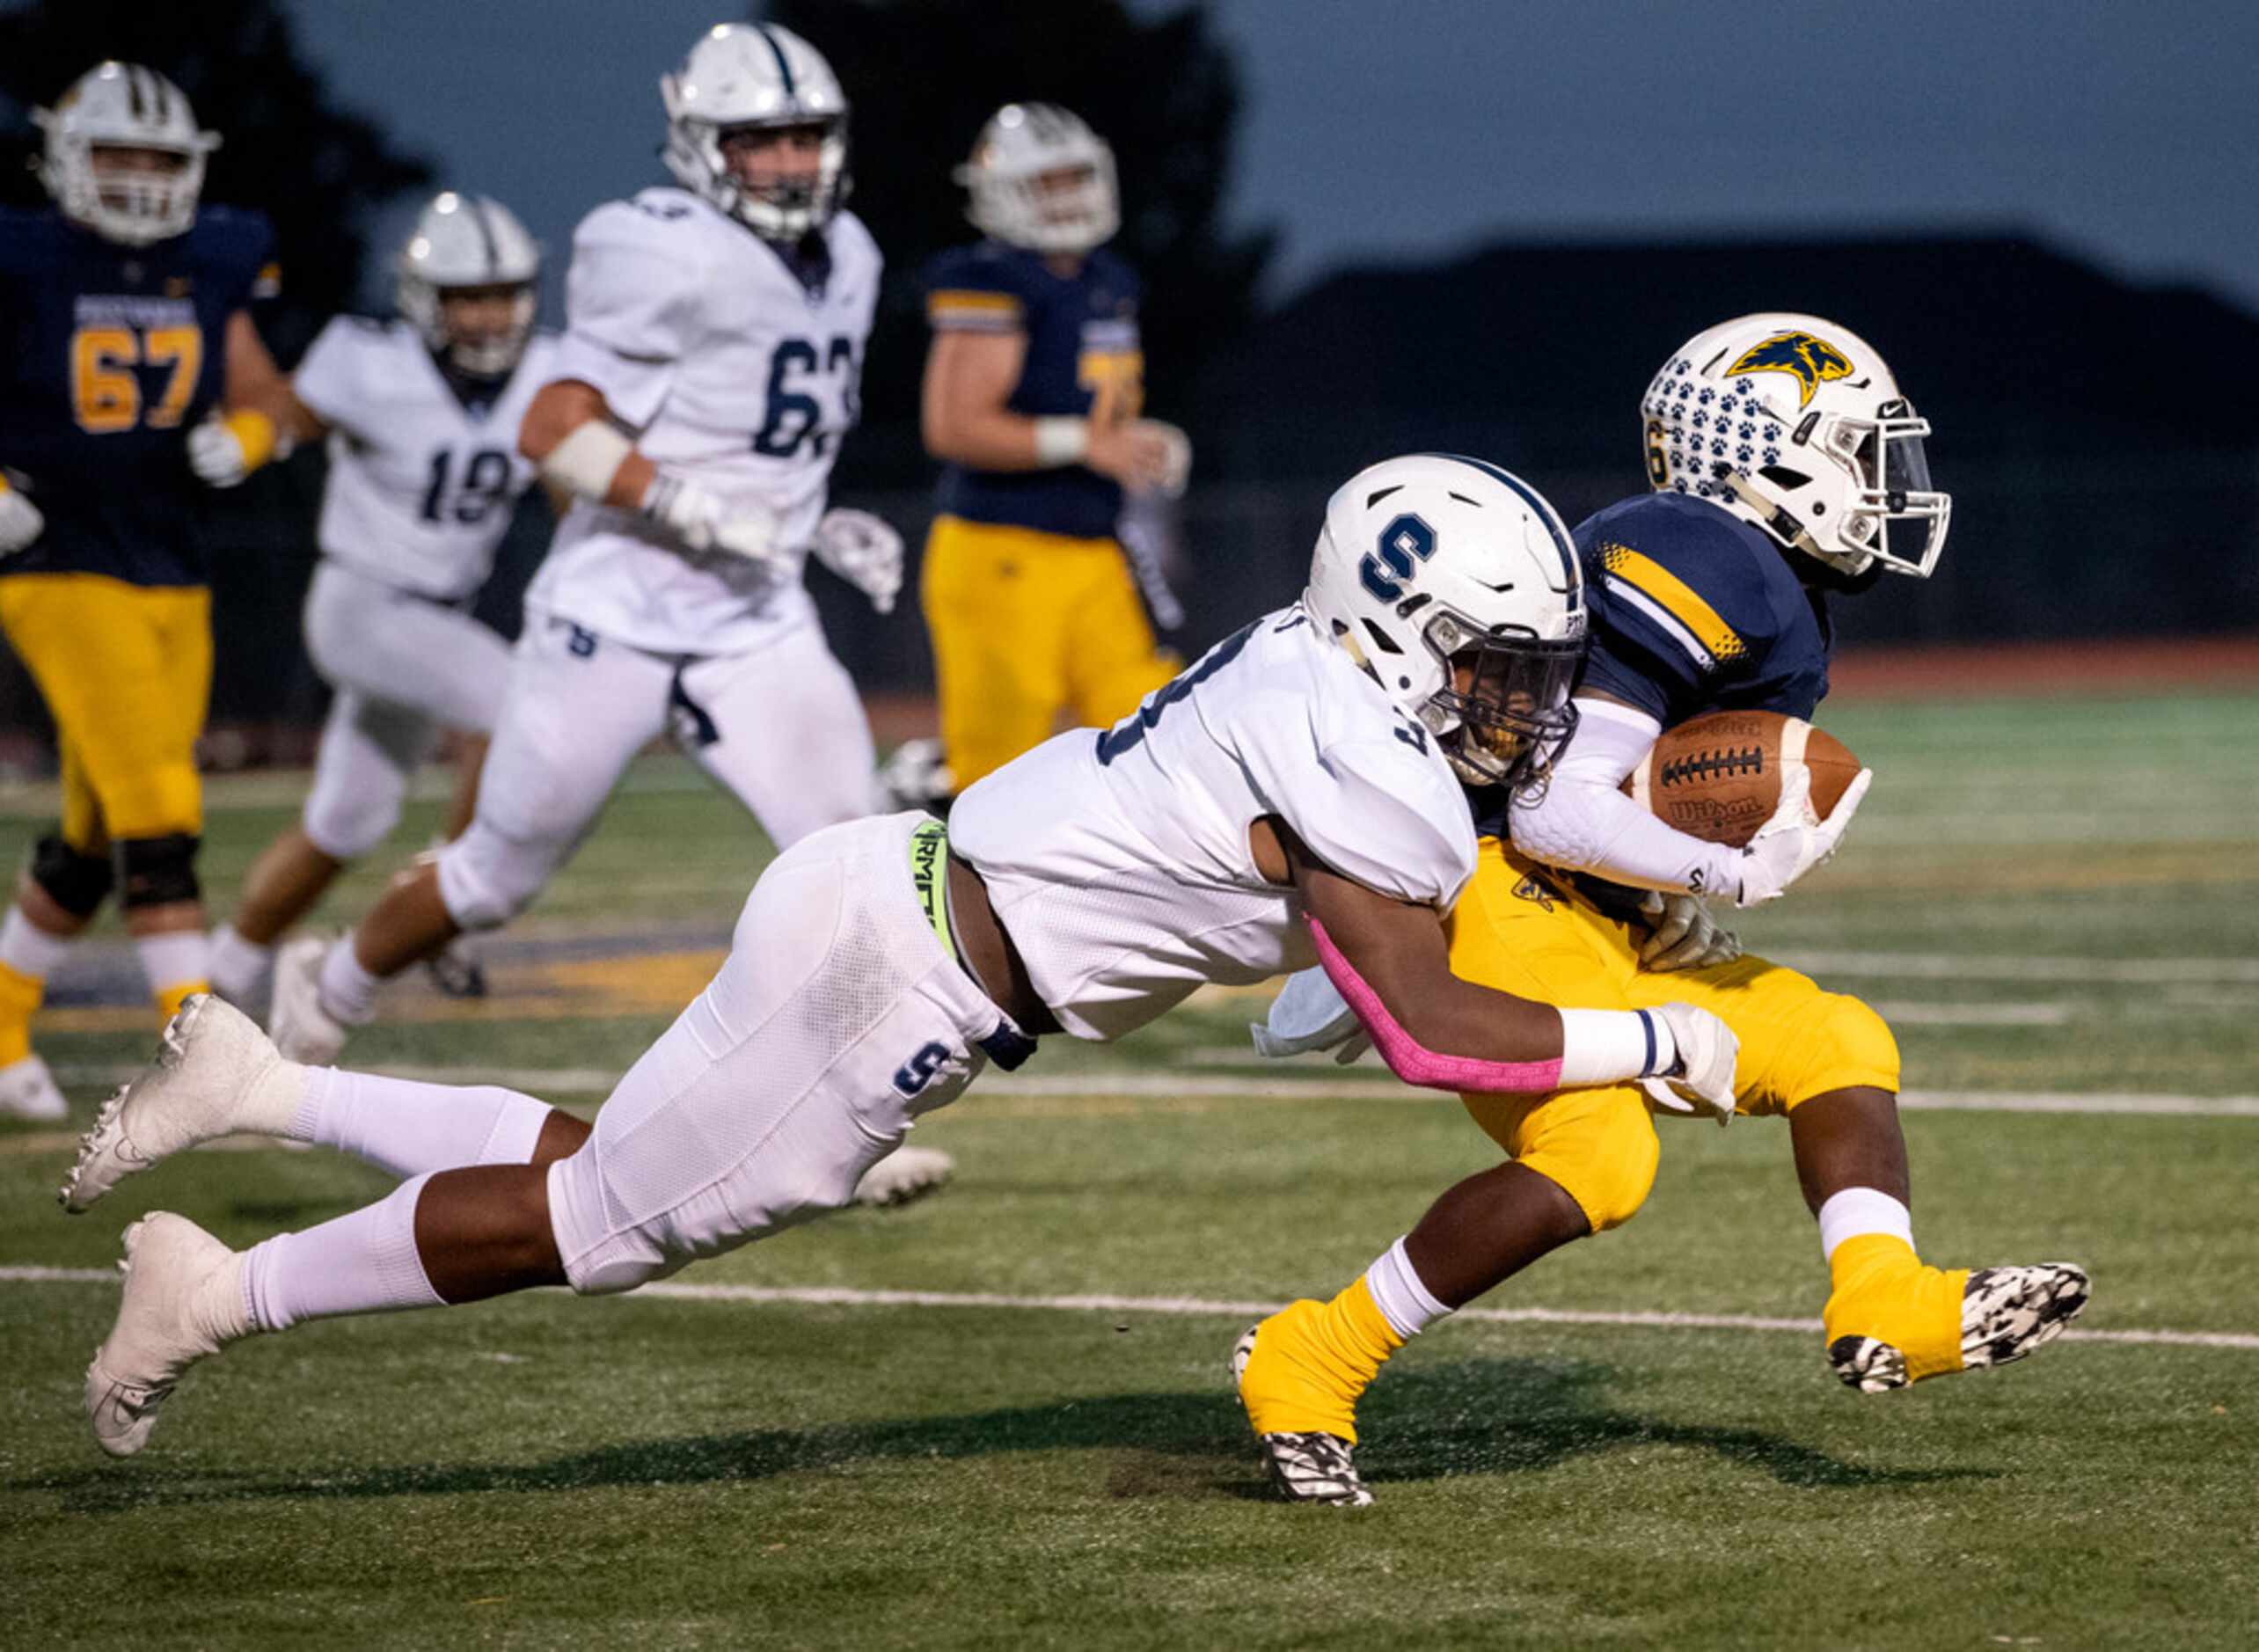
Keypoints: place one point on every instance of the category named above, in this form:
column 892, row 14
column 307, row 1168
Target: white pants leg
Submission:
column 404, row 668
column 784, row 730
column 577, row 710
column 406, row 650
column 836, row 1022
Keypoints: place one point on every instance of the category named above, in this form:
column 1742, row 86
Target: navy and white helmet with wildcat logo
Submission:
column 469, row 241
column 124, row 105
column 1039, row 178
column 1795, row 425
column 1457, row 587
column 742, row 75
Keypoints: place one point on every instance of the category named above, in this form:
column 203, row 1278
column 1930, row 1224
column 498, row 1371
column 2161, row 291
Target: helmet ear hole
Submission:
column 1782, row 476
column 1381, row 639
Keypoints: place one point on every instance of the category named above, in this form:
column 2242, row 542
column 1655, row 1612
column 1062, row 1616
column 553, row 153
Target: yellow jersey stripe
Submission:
column 995, row 304
column 1677, row 598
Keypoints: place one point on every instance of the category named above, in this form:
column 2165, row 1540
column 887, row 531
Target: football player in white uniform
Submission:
column 422, row 416
column 714, row 339
column 1295, row 796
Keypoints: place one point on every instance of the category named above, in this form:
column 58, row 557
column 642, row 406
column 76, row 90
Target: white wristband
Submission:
column 588, row 458
column 1061, row 442
column 1614, row 1046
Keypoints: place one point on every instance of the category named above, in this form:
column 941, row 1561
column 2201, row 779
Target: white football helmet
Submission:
column 1794, row 424
column 123, row 105
column 469, row 241
column 1039, row 178
column 1456, row 587
column 743, row 75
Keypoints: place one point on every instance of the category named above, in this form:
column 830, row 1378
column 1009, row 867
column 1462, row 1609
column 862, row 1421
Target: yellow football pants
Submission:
column 1027, row 624
column 127, row 673
column 1522, row 933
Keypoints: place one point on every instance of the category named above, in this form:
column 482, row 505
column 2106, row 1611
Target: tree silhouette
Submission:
column 317, row 173
column 923, row 74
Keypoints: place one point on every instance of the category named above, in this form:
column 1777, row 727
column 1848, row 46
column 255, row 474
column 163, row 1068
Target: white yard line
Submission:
column 1179, row 1307
column 1367, row 1084
column 1951, row 966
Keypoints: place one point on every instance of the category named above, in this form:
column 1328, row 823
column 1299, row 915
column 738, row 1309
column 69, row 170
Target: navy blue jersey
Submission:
column 1695, row 611
column 109, row 355
column 1083, row 360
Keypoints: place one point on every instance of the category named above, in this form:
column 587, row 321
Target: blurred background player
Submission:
column 715, row 333
column 1785, row 464
column 422, row 417
column 1033, row 390
column 124, row 322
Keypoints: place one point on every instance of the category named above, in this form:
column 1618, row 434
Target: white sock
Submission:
column 1857, row 1210
column 1403, row 1301
column 177, row 958
column 348, row 991
column 365, row 1262
column 407, row 1129
column 30, row 950
column 241, row 969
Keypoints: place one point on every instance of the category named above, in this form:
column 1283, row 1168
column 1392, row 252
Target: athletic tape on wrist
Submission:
column 588, row 458
column 1061, row 442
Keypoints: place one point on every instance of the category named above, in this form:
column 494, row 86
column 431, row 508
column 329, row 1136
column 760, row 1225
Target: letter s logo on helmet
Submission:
column 1454, row 585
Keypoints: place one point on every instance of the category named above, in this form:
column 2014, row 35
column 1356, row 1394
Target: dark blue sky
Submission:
column 1385, row 130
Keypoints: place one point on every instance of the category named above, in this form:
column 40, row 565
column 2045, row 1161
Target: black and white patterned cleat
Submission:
column 1304, row 1467
column 456, row 970
column 2005, row 1313
column 215, row 1075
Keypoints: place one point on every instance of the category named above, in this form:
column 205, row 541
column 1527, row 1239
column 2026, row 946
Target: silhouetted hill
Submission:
column 1537, row 354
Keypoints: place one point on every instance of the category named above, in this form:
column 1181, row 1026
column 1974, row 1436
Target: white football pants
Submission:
column 834, row 1022
column 780, row 727
column 405, row 668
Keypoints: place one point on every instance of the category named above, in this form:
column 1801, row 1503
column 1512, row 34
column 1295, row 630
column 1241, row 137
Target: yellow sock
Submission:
column 1882, row 1290
column 20, row 1001
column 1313, row 1360
column 170, row 998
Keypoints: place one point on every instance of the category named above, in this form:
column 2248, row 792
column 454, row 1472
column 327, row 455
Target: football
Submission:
column 1718, row 777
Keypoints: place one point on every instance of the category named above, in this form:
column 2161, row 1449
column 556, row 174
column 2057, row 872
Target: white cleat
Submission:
column 904, row 1174
column 216, row 1075
column 304, row 1031
column 183, row 1302
column 27, row 1090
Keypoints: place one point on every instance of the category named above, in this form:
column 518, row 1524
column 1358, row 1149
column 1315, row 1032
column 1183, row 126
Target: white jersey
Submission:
column 736, row 374
column 1119, row 860
column 422, row 482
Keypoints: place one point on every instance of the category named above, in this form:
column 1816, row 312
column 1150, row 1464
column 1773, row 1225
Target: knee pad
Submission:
column 486, row 879
column 345, row 826
column 76, row 882
column 1847, row 1045
column 1604, row 1159
column 159, row 871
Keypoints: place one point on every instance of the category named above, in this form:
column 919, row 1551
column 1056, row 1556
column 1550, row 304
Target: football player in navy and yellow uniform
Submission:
column 130, row 375
column 1031, row 398
column 1785, row 466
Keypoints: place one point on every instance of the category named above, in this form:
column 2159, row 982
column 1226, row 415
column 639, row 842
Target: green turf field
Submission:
column 2057, row 903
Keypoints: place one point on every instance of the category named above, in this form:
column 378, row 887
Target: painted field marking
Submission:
column 1186, row 1307
column 1947, row 965
column 581, row 1081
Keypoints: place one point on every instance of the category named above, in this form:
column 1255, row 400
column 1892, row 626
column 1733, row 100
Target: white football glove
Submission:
column 1703, row 1080
column 705, row 522
column 1683, row 935
column 21, row 521
column 215, row 454
column 1795, row 839
column 863, row 550
column 1176, row 465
